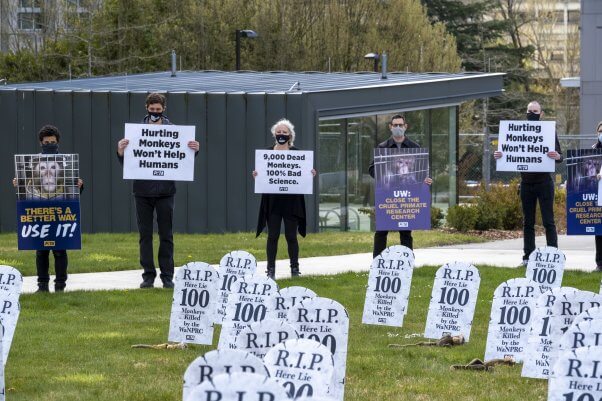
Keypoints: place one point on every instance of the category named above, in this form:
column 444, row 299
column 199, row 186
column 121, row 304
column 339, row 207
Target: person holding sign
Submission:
column 276, row 208
column 155, row 196
column 598, row 145
column 398, row 140
column 534, row 187
column 47, row 181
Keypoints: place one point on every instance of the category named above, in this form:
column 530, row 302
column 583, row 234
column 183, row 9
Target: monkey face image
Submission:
column 49, row 172
column 46, row 178
column 590, row 169
column 403, row 166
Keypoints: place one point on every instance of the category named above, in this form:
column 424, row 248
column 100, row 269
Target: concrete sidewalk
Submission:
column 579, row 251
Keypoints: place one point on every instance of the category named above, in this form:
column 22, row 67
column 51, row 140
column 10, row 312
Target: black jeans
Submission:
column 380, row 241
column 60, row 267
column 290, row 233
column 598, row 250
column 530, row 194
column 145, row 210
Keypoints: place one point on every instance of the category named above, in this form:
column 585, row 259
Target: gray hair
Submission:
column 287, row 124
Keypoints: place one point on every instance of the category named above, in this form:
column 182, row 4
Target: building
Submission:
column 341, row 116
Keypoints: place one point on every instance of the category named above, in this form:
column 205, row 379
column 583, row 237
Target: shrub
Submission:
column 436, row 217
column 462, row 217
column 499, row 207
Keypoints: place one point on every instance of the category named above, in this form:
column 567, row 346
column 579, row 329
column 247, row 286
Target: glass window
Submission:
column 30, row 21
column 332, row 174
column 29, row 3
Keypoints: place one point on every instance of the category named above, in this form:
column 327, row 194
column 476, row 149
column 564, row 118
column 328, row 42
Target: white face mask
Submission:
column 398, row 132
column 600, row 137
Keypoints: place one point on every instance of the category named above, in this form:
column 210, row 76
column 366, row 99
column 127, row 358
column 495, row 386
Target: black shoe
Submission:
column 271, row 272
column 147, row 284
column 295, row 272
column 42, row 287
column 599, row 268
column 168, row 283
column 59, row 287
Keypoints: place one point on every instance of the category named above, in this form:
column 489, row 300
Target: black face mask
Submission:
column 532, row 116
column 50, row 148
column 154, row 117
column 282, row 139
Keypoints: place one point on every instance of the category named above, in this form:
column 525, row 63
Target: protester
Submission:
column 398, row 140
column 276, row 208
column 598, row 145
column 155, row 196
column 536, row 187
column 49, row 137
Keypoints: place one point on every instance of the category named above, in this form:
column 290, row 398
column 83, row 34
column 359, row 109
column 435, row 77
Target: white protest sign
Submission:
column 546, row 267
column 158, row 152
column 239, row 387
column 327, row 322
column 257, row 338
column 537, row 352
column 389, row 283
column 453, row 301
column 584, row 334
column 589, row 314
column 206, row 367
column 246, row 304
column 232, row 266
column 284, row 171
column 11, row 279
column 9, row 314
column 281, row 302
column 510, row 319
column 525, row 144
column 194, row 304
column 303, row 367
column 577, row 376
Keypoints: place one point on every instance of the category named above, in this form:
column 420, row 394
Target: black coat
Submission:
column 390, row 143
column 285, row 205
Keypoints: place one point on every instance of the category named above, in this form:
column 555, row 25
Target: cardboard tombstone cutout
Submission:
column 258, row 338
column 510, row 319
column 239, row 387
column 232, row 266
column 389, row 283
column 194, row 304
column 327, row 322
column 537, row 352
column 281, row 302
column 9, row 314
column 2, row 381
column 453, row 301
column 546, row 267
column 11, row 279
column 303, row 367
column 584, row 334
column 216, row 362
column 577, row 376
column 590, row 314
column 246, row 304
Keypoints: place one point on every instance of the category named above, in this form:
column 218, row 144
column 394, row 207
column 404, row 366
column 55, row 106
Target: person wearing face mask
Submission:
column 398, row 140
column 598, row 145
column 536, row 187
column 276, row 208
column 155, row 196
column 49, row 137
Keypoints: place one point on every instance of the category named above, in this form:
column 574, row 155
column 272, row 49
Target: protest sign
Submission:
column 327, row 322
column 246, row 304
column 239, row 387
column 525, row 144
column 281, row 302
column 402, row 199
column 546, row 267
column 583, row 209
column 389, row 283
column 257, row 338
column 158, row 152
column 194, row 304
column 206, row 367
column 284, row 171
column 510, row 319
column 303, row 367
column 48, row 213
column 537, row 351
column 11, row 279
column 576, row 376
column 453, row 301
column 232, row 266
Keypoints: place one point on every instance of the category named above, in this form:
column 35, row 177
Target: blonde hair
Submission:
column 287, row 124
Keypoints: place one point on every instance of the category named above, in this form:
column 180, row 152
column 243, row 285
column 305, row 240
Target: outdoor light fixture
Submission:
column 375, row 57
column 242, row 33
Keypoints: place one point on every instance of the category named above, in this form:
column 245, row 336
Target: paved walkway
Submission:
column 579, row 251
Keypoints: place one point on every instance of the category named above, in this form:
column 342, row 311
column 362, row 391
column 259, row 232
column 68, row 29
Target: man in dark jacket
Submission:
column 536, row 187
column 398, row 140
column 155, row 196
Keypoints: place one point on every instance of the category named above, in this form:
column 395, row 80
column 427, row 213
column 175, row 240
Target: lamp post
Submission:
column 375, row 57
column 242, row 33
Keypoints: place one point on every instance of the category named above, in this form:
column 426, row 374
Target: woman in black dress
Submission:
column 276, row 208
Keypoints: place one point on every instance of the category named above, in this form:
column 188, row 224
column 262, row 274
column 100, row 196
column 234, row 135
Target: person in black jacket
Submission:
column 276, row 208
column 536, row 187
column 398, row 140
column 598, row 145
column 155, row 196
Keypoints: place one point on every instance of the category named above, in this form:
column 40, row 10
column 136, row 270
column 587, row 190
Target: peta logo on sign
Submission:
column 522, row 167
column 402, row 224
column 590, row 229
column 158, row 173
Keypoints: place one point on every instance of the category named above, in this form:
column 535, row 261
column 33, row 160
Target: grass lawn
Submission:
column 76, row 346
column 113, row 252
